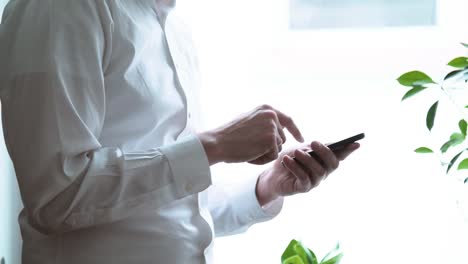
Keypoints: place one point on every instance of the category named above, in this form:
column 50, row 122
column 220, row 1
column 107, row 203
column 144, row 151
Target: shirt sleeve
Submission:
column 234, row 207
column 53, row 105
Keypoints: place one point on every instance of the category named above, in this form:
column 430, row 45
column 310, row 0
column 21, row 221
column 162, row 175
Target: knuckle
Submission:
column 269, row 114
column 265, row 106
column 272, row 124
column 279, row 141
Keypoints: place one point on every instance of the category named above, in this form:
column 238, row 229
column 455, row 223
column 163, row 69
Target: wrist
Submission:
column 211, row 146
column 265, row 189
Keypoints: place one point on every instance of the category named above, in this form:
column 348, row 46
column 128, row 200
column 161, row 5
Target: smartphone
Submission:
column 338, row 145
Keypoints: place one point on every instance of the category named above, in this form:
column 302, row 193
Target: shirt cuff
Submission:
column 189, row 165
column 246, row 197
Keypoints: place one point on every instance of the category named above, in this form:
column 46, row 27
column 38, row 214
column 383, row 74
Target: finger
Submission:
column 326, row 155
column 315, row 170
column 279, row 129
column 342, row 154
column 298, row 171
column 289, row 124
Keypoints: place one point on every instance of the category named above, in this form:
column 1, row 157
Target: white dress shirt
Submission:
column 97, row 101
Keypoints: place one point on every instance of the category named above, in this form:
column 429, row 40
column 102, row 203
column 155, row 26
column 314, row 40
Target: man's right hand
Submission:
column 256, row 137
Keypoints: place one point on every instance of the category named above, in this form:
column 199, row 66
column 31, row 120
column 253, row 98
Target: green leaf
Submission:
column 460, row 62
column 455, row 139
column 335, row 260
column 463, row 165
column 332, row 257
column 415, row 78
column 466, row 181
column 331, row 253
column 462, row 125
column 289, row 251
column 454, row 159
column 306, row 254
column 446, row 146
column 413, row 91
column 295, row 248
column 452, row 74
column 293, row 260
column 465, row 45
column 431, row 116
column 423, row 150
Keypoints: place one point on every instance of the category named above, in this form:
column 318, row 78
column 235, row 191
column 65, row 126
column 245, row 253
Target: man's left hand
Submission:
column 287, row 176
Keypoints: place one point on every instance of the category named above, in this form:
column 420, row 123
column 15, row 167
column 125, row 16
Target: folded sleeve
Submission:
column 234, row 207
column 54, row 106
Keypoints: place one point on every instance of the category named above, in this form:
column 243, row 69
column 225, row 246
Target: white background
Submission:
column 384, row 204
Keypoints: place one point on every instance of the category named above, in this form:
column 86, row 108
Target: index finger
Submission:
column 289, row 124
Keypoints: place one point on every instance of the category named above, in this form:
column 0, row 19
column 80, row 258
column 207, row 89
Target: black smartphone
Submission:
column 338, row 145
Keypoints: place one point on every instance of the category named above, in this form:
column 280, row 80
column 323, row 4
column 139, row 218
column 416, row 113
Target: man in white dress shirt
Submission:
column 97, row 104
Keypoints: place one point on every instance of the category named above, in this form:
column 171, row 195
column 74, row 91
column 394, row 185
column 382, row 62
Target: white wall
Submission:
column 10, row 204
column 385, row 204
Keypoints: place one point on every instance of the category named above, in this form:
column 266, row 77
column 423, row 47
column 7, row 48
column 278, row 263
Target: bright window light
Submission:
column 313, row 14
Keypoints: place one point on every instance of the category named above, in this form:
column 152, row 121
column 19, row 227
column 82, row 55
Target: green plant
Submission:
column 297, row 253
column 417, row 82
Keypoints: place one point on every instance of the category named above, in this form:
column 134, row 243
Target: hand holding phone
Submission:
column 339, row 145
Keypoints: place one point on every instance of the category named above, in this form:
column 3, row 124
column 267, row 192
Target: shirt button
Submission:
column 188, row 187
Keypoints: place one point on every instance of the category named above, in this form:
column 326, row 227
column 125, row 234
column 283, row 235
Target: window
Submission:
column 312, row 14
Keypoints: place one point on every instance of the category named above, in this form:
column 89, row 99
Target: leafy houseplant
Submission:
column 297, row 253
column 457, row 78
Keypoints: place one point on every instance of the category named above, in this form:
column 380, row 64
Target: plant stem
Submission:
column 459, row 109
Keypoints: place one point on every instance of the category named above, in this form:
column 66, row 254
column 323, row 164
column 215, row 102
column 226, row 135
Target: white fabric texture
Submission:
column 98, row 115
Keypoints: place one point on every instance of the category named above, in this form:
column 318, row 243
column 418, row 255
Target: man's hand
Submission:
column 256, row 137
column 288, row 177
